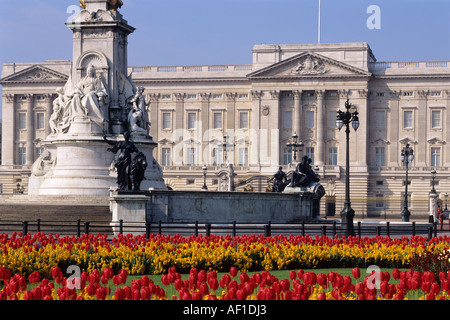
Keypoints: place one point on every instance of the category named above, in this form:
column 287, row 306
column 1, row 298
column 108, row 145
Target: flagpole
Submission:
column 320, row 11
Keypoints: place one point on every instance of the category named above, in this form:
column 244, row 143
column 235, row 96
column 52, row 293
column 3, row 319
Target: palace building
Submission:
column 205, row 116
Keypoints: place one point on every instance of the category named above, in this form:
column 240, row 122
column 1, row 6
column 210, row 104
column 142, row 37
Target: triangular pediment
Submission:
column 36, row 73
column 307, row 65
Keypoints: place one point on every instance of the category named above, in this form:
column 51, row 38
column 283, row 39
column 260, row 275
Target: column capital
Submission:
column 48, row 98
column 154, row 97
column 9, row 97
column 205, row 96
column 28, row 98
column 275, row 94
column 231, row 95
column 320, row 94
column 297, row 93
column 256, row 94
column 343, row 94
column 179, row 96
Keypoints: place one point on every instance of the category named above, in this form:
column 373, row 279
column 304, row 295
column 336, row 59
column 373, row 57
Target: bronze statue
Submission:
column 304, row 174
column 280, row 181
column 130, row 163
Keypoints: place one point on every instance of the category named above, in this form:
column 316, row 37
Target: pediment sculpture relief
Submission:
column 310, row 66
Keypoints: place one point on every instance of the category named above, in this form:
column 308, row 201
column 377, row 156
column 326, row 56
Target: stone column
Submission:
column 30, row 129
column 8, row 130
column 420, row 119
column 255, row 138
column 320, row 130
column 48, row 113
column 297, row 112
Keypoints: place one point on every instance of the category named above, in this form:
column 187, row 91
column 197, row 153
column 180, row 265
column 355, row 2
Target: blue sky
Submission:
column 196, row 32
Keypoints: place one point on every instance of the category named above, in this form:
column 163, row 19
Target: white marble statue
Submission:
column 90, row 97
column 137, row 116
column 86, row 100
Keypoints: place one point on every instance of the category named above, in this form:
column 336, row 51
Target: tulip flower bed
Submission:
column 155, row 255
column 106, row 263
column 203, row 285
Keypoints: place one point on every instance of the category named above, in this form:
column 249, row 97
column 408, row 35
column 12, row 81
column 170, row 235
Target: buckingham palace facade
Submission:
column 203, row 116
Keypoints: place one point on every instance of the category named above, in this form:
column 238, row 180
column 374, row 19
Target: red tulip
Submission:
column 444, row 285
column 356, row 273
column 233, row 272
column 292, row 274
column 395, row 274
column 213, row 284
column 145, row 293
column 435, row 288
column 119, row 294
column 100, row 293
column 359, row 288
column 426, row 286
column 321, row 296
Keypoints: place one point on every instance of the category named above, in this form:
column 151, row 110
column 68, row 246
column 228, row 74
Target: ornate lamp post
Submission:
column 407, row 157
column 205, row 169
column 344, row 119
column 294, row 144
column 433, row 177
column 433, row 198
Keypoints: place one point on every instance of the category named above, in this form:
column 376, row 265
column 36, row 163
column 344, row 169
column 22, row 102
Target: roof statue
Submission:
column 112, row 4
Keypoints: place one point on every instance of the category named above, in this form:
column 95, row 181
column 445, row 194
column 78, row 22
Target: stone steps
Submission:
column 55, row 217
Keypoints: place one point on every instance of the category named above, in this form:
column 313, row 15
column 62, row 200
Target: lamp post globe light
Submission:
column 294, row 144
column 344, row 119
column 406, row 157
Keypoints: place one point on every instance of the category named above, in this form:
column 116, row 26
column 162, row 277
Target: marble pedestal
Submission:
column 79, row 164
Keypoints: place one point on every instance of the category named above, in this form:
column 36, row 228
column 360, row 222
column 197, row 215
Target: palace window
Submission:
column 380, row 119
column 192, row 119
column 309, row 152
column 22, row 156
column 243, row 157
column 166, row 152
column 287, row 119
column 310, row 119
column 167, row 121
column 435, row 157
column 332, row 156
column 22, row 121
column 243, row 120
column 217, row 120
column 40, row 121
column 191, row 157
column 435, row 119
column 287, row 156
column 217, row 156
column 332, row 119
column 407, row 119
column 379, row 157
column 379, row 201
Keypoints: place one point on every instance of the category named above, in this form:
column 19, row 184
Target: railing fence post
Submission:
column 324, row 230
column 78, row 228
column 147, row 229
column 86, row 227
column 24, row 227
